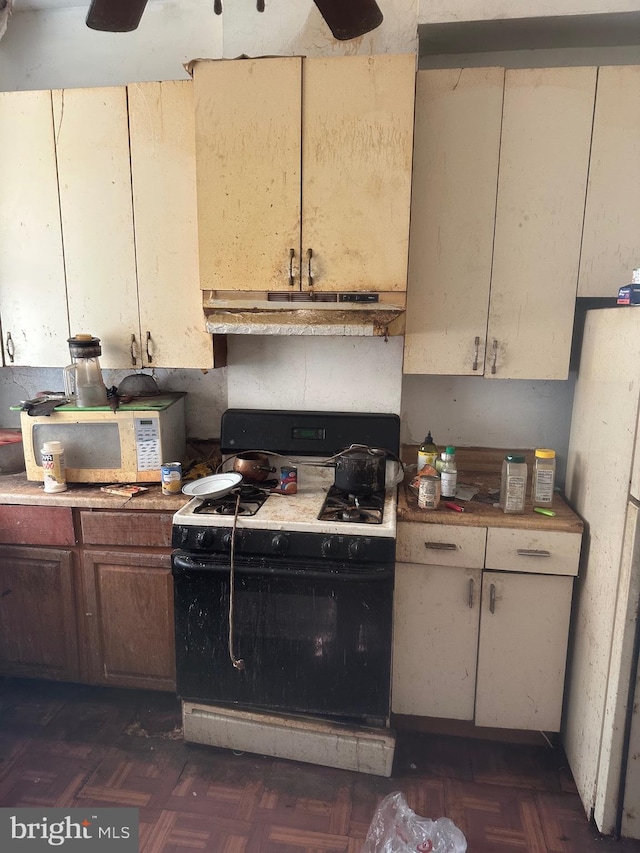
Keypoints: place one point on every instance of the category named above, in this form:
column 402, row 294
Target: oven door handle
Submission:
column 187, row 563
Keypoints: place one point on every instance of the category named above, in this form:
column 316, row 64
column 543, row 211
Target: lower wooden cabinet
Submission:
column 128, row 619
column 38, row 628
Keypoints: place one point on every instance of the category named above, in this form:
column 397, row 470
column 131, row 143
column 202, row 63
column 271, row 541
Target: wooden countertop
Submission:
column 16, row 489
column 481, row 467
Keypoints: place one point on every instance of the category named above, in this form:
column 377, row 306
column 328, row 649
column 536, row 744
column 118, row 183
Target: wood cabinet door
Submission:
column 92, row 147
column 33, row 301
column 455, row 178
column 247, row 126
column 435, row 640
column 128, row 617
column 357, row 141
column 163, row 171
column 611, row 238
column 524, row 626
column 544, row 157
column 38, row 633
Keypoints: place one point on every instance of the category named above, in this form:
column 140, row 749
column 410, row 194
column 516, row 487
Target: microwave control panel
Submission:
column 147, row 431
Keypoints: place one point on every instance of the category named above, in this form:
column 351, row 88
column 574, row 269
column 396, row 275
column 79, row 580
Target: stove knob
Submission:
column 182, row 537
column 280, row 543
column 329, row 546
column 203, row 538
column 356, row 550
column 225, row 540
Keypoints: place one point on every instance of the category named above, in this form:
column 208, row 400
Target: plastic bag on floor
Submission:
column 396, row 828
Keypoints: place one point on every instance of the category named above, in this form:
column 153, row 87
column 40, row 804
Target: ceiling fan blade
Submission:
column 115, row 16
column 348, row 19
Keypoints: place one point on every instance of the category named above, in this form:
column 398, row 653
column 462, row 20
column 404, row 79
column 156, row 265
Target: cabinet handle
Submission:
column 532, row 552
column 149, row 353
column 309, row 256
column 217, row 7
column 10, row 348
column 492, row 598
column 470, row 593
column 441, row 546
column 495, row 355
column 476, row 352
column 260, row 5
column 292, row 254
column 133, row 350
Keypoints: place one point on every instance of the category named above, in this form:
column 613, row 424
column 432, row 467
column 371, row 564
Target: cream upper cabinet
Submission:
column 304, row 172
column 92, row 143
column 611, row 239
column 514, row 260
column 33, row 302
column 455, row 178
column 163, row 166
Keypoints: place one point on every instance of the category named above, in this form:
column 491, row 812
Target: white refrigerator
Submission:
column 601, row 729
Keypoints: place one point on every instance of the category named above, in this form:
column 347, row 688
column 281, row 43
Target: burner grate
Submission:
column 251, row 499
column 343, row 506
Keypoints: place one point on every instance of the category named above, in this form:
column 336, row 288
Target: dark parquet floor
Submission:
column 75, row 746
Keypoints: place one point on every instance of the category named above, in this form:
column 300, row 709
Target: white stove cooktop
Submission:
column 297, row 512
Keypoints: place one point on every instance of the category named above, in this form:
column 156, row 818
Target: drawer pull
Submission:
column 492, row 598
column 441, row 546
column 470, row 593
column 532, row 552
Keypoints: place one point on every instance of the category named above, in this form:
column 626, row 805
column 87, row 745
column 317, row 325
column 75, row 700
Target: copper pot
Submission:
column 253, row 465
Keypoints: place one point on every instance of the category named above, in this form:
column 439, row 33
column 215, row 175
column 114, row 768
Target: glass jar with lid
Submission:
column 544, row 476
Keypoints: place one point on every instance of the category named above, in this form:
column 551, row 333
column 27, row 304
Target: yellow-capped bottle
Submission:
column 427, row 453
column 544, row 477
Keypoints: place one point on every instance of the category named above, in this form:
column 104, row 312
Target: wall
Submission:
column 52, row 48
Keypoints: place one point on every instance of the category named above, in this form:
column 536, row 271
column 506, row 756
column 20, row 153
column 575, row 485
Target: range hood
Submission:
column 363, row 315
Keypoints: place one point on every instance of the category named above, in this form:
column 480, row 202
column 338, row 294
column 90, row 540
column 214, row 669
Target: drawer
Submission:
column 36, row 525
column 441, row 545
column 135, row 527
column 537, row 551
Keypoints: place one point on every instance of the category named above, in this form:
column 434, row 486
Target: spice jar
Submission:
column 544, row 477
column 513, row 485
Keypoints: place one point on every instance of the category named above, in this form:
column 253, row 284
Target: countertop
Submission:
column 16, row 489
column 481, row 467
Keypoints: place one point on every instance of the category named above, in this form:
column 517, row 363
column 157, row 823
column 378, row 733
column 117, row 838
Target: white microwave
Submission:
column 102, row 446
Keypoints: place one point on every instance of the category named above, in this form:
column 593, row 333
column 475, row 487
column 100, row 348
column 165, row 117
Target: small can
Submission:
column 429, row 492
column 171, row 477
column 288, row 482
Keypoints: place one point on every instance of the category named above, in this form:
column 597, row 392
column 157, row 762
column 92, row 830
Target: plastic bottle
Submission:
column 449, row 474
column 544, row 477
column 55, row 479
column 513, row 485
column 427, row 453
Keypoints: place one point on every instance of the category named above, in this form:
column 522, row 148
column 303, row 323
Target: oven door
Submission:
column 315, row 638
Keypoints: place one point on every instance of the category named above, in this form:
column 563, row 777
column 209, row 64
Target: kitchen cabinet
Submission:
column 304, row 172
column 495, row 235
column 611, row 241
column 127, row 600
column 33, row 307
column 481, row 622
column 126, row 164
column 38, row 626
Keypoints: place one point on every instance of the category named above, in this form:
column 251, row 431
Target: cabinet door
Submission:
column 38, row 634
column 163, row 166
column 435, row 639
column 357, row 140
column 92, row 146
column 247, row 125
column 455, row 178
column 544, row 157
column 33, row 301
column 524, row 626
column 128, row 617
column 611, row 240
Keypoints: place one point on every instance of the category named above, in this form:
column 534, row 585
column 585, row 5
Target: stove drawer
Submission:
column 441, row 545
